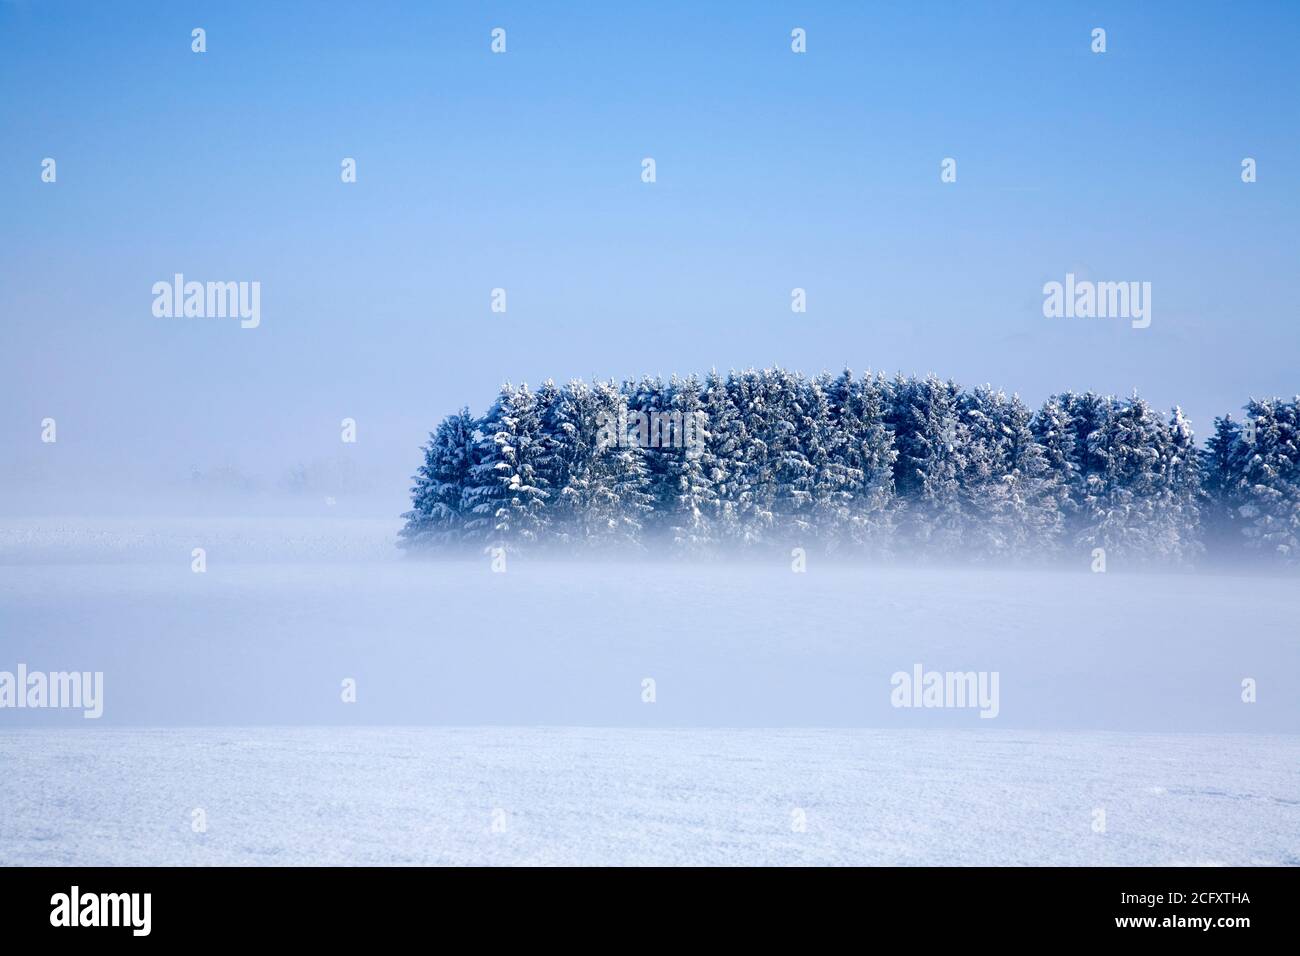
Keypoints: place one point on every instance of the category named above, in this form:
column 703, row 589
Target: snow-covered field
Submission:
column 524, row 693
column 618, row 796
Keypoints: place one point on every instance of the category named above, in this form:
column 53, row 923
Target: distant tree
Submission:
column 571, row 427
column 1008, row 491
column 1223, row 463
column 1187, row 499
column 860, row 410
column 553, row 444
column 789, row 429
column 619, row 500
column 649, row 404
column 506, row 492
column 753, row 480
column 723, row 460
column 690, row 498
column 1269, row 481
column 931, row 441
column 1130, row 502
column 436, row 517
column 1055, row 432
column 1070, row 428
column 833, row 481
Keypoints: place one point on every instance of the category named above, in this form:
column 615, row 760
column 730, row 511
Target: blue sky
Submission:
column 522, row 171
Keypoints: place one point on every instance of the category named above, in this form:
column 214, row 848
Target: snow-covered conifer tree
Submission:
column 1185, row 495
column 554, row 452
column 860, row 409
column 931, row 442
column 1008, row 490
column 1222, row 466
column 690, row 499
column 436, row 518
column 788, row 428
column 1270, row 480
column 1054, row 432
column 723, row 459
column 506, row 493
column 649, row 409
column 572, row 433
column 835, row 482
column 618, row 500
column 1128, row 501
column 753, row 481
column 1065, row 427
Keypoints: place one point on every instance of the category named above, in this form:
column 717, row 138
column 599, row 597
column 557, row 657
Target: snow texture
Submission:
column 611, row 796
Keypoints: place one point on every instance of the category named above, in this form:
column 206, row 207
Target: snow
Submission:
column 623, row 796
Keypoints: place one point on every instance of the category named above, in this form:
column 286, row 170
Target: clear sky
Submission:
column 522, row 170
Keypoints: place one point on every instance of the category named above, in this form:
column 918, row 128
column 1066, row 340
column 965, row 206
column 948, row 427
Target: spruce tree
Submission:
column 506, row 492
column 871, row 451
column 826, row 442
column 931, row 441
column 436, row 518
column 1186, row 498
column 723, row 459
column 1222, row 467
column 1008, row 490
column 753, row 480
column 1128, row 501
column 572, row 430
column 1054, row 432
column 690, row 499
column 618, row 497
column 1270, row 480
column 788, row 429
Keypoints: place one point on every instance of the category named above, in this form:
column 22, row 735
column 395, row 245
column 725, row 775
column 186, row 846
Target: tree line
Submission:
column 870, row 466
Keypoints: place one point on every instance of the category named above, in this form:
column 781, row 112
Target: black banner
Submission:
column 214, row 905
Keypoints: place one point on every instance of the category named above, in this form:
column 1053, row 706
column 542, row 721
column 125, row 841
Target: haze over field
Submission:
column 287, row 609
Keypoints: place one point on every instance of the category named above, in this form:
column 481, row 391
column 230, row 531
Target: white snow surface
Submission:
column 636, row 797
